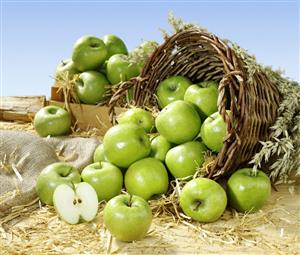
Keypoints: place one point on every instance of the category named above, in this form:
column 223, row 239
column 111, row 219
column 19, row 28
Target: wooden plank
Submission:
column 89, row 116
column 20, row 108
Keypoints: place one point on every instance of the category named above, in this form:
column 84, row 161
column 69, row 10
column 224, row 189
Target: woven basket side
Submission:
column 202, row 56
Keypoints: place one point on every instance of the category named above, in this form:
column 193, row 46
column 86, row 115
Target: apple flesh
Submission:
column 105, row 178
column 178, row 122
column 203, row 200
column 172, row 89
column 248, row 192
column 128, row 218
column 137, row 116
column 204, row 97
column 76, row 204
column 114, row 45
column 184, row 159
column 52, row 176
column 91, row 87
column 52, row 120
column 126, row 143
column 159, row 148
column 89, row 53
column 147, row 178
column 213, row 132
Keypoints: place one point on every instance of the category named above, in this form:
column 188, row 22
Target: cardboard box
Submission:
column 86, row 116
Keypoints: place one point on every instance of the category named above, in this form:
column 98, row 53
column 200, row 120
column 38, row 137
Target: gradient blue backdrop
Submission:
column 36, row 35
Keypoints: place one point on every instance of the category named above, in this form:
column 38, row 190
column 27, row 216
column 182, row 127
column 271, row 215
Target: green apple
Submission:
column 52, row 120
column 247, row 191
column 178, row 122
column 159, row 147
column 184, row 159
column 126, row 143
column 172, row 89
column 89, row 53
column 99, row 154
column 137, row 116
column 120, row 68
column 90, row 87
column 114, row 45
column 75, row 204
column 213, row 132
column 52, row 176
column 128, row 218
column 65, row 68
column 203, row 200
column 105, row 178
column 147, row 178
column 204, row 97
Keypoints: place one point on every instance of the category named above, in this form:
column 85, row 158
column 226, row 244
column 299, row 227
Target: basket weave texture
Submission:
column 201, row 56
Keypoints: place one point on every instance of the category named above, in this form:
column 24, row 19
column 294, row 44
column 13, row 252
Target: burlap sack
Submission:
column 23, row 156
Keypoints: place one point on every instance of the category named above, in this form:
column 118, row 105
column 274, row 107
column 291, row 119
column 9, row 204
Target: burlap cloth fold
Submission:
column 23, row 156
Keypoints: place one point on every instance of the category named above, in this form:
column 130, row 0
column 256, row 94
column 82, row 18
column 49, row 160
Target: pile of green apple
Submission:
column 100, row 63
column 142, row 154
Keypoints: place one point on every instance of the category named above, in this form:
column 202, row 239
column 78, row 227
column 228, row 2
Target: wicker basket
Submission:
column 202, row 56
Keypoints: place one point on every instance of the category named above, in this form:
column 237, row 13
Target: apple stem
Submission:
column 197, row 205
column 130, row 200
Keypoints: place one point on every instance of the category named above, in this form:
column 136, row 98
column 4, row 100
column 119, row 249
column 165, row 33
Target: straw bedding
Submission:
column 275, row 229
column 32, row 229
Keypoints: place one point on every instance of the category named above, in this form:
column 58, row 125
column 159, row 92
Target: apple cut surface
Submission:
column 74, row 205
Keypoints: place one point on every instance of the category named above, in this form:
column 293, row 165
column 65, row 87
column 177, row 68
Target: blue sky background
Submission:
column 36, row 35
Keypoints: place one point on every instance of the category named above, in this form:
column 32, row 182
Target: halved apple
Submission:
column 76, row 204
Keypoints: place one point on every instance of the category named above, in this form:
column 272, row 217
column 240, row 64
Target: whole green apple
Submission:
column 65, row 68
column 105, row 178
column 137, row 116
column 159, row 147
column 184, row 159
column 126, row 143
column 213, row 132
column 52, row 120
column 172, row 89
column 128, row 218
column 89, row 53
column 204, row 97
column 114, row 45
column 147, row 178
column 99, row 154
column 203, row 200
column 75, row 204
column 90, row 87
column 120, row 68
column 178, row 122
column 52, row 176
column 248, row 192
